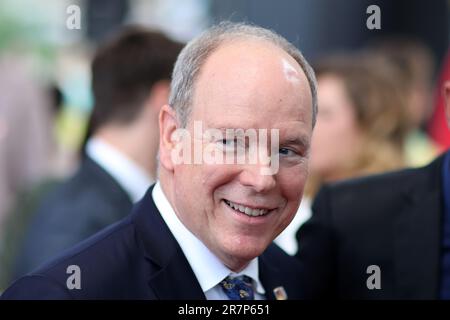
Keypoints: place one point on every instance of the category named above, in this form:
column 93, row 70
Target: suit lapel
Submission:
column 176, row 281
column 417, row 232
column 170, row 275
column 271, row 277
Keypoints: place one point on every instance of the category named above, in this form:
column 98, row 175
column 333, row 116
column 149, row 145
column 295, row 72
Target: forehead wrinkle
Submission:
column 245, row 82
column 250, row 59
column 301, row 140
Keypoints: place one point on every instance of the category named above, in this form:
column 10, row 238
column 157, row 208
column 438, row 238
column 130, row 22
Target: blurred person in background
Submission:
column 26, row 142
column 130, row 79
column 361, row 128
column 28, row 197
column 412, row 63
column 362, row 108
column 381, row 237
column 438, row 129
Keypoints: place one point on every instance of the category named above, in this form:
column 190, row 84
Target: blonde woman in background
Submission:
column 361, row 128
column 413, row 65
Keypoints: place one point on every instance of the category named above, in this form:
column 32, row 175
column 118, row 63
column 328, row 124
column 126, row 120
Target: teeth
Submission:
column 246, row 210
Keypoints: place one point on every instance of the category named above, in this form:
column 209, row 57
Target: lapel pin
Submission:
column 280, row 293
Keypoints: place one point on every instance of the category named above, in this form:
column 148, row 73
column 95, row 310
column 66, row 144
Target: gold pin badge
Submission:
column 280, row 293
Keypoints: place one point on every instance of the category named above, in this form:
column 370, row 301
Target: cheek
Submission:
column 188, row 180
column 334, row 139
column 350, row 143
column 216, row 177
column 325, row 136
column 292, row 186
column 292, row 182
column 323, row 149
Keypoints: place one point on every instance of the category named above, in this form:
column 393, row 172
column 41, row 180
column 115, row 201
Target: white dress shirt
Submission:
column 208, row 269
column 133, row 179
column 287, row 240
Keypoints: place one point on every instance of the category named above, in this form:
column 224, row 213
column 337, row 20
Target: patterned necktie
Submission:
column 238, row 288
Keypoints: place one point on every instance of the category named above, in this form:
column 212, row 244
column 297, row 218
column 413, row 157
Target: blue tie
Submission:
column 238, row 288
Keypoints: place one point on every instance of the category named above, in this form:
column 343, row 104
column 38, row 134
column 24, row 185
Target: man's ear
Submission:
column 168, row 124
column 446, row 90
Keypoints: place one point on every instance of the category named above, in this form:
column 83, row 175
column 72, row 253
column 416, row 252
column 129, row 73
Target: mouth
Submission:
column 248, row 211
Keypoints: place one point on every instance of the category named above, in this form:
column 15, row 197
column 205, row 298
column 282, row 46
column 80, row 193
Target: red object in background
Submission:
column 438, row 129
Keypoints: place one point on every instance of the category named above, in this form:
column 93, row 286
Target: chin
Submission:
column 246, row 251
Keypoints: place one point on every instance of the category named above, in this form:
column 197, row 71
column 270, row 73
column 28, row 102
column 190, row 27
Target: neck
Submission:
column 134, row 143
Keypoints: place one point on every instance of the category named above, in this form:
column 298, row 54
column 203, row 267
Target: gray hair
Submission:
column 195, row 53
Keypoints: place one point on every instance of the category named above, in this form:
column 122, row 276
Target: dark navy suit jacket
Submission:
column 392, row 220
column 78, row 208
column 138, row 258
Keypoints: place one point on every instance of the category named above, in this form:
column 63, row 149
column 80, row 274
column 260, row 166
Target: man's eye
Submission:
column 286, row 152
column 227, row 142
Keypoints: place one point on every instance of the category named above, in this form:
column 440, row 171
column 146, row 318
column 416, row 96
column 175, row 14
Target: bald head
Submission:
column 253, row 71
column 192, row 58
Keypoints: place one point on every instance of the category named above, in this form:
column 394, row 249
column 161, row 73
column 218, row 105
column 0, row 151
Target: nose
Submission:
column 252, row 176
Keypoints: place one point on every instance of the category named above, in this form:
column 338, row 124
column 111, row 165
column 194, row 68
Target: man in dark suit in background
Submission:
column 381, row 237
column 130, row 80
column 205, row 229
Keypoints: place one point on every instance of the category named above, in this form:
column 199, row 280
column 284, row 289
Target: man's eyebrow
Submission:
column 302, row 141
column 239, row 130
column 234, row 128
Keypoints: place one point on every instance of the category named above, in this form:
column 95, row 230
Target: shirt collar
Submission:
column 208, row 269
column 128, row 174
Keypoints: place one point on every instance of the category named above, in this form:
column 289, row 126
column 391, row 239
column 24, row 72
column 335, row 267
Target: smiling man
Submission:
column 205, row 230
